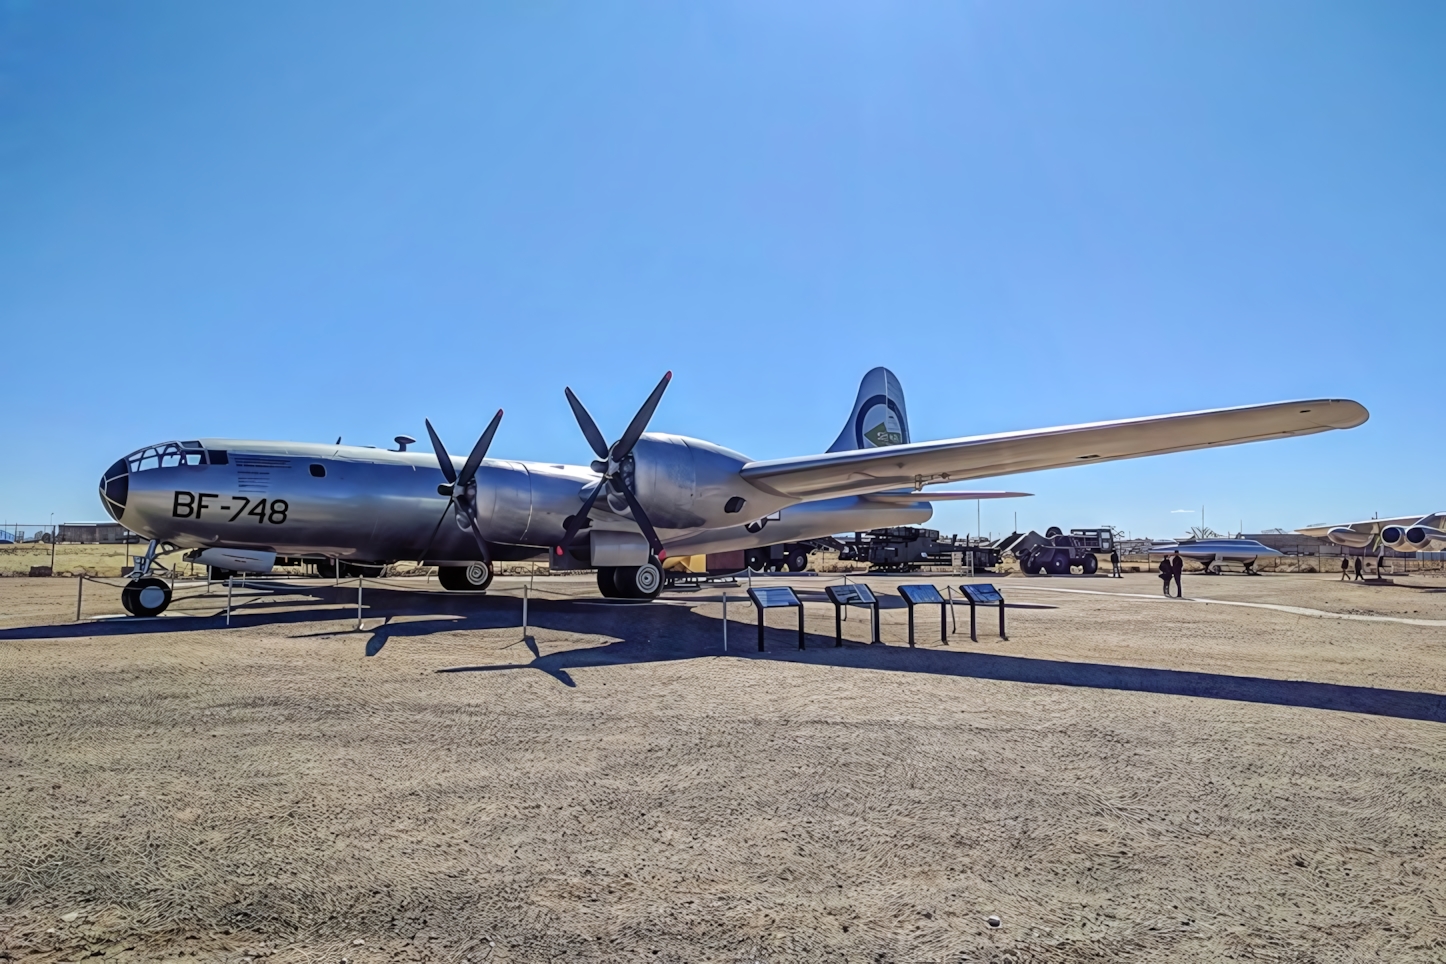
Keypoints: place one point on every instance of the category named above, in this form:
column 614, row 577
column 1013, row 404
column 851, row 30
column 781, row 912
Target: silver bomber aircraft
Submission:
column 239, row 505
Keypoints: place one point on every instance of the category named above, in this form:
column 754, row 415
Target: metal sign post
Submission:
column 725, row 620
column 925, row 594
column 79, row 594
column 229, row 581
column 776, row 597
column 358, row 602
column 845, row 596
column 983, row 594
column 524, row 614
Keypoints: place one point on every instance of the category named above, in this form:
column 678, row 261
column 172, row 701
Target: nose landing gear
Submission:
column 146, row 595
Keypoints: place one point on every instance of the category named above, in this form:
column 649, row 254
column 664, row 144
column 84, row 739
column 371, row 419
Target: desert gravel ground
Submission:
column 1127, row 778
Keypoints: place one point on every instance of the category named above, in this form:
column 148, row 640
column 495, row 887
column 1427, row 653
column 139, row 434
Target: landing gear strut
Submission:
column 145, row 595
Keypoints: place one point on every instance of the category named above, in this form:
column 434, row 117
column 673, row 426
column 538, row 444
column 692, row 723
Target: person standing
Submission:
column 1346, row 568
column 1115, row 562
column 1359, row 568
column 1166, row 570
column 1177, row 566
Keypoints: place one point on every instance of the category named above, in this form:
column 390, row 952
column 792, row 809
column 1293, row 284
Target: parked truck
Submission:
column 1057, row 554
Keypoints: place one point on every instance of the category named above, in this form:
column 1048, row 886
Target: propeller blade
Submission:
column 641, row 518
column 589, row 427
column 581, row 517
column 479, row 451
column 443, row 459
column 481, row 542
column 640, row 421
column 435, row 529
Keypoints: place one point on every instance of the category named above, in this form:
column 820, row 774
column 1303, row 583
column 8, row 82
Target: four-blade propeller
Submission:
column 461, row 490
column 610, row 465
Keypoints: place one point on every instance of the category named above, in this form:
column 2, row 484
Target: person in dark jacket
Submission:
column 1345, row 568
column 1115, row 562
column 1177, row 566
column 1359, row 567
column 1166, row 571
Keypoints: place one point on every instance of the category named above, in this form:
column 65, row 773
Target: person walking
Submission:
column 1166, row 571
column 1115, row 562
column 1345, row 568
column 1359, row 567
column 1177, row 566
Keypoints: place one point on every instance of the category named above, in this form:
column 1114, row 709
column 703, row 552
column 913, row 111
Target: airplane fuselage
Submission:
column 362, row 504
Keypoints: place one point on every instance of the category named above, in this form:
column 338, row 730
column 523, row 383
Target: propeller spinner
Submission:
column 461, row 489
column 609, row 465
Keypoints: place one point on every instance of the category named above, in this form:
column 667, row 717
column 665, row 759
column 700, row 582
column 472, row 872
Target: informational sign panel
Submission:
column 982, row 592
column 852, row 595
column 919, row 595
column 774, row 597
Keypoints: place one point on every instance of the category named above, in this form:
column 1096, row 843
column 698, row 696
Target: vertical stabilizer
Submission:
column 879, row 418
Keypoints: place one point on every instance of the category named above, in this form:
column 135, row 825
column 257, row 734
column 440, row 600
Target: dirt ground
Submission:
column 1126, row 778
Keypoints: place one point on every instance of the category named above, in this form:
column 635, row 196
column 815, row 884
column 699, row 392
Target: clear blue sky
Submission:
column 308, row 220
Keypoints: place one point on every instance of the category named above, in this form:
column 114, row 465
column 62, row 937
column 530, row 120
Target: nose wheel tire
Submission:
column 797, row 561
column 470, row 578
column 146, row 597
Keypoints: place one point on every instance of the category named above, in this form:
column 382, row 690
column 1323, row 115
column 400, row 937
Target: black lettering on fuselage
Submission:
column 183, row 501
column 201, row 498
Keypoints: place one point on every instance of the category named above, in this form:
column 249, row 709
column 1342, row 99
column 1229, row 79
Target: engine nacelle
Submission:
column 686, row 483
column 1394, row 537
column 1424, row 538
column 1345, row 536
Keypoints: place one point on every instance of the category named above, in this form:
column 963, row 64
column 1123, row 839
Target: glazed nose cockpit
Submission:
column 115, row 484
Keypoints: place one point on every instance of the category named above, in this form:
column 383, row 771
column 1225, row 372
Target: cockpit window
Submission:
column 166, row 455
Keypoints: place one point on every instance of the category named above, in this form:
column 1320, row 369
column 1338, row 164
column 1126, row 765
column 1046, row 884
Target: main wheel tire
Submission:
column 1091, row 565
column 1031, row 567
column 1058, row 564
column 606, row 583
column 146, row 597
column 797, row 560
column 639, row 582
column 1053, row 531
column 470, row 578
column 756, row 559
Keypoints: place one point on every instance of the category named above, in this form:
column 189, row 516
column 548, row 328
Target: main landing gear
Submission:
column 631, row 582
column 470, row 578
column 145, row 595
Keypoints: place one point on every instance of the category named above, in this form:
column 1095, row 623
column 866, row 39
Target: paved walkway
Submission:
column 1297, row 610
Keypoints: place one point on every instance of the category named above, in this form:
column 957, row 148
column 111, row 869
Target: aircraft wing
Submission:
column 910, row 496
column 922, row 463
column 1372, row 526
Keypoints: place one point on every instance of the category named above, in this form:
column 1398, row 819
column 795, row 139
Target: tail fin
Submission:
column 879, row 418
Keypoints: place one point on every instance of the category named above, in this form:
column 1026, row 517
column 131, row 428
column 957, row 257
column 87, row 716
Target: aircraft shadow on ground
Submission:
column 658, row 633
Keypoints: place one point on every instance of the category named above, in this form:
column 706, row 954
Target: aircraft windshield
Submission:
column 166, row 455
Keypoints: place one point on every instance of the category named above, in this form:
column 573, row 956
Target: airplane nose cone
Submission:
column 115, row 487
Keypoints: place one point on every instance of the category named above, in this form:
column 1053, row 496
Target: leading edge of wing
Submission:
column 1006, row 453
column 910, row 496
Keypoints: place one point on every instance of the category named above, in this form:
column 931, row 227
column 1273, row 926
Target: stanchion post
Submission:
column 230, row 581
column 359, row 602
column 524, row 614
column 725, row 620
column 953, row 623
column 79, row 595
